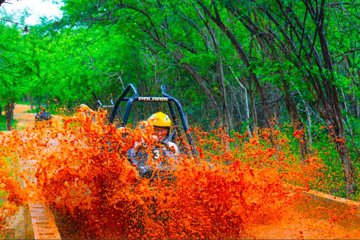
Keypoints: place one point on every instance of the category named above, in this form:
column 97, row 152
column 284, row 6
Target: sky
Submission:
column 36, row 9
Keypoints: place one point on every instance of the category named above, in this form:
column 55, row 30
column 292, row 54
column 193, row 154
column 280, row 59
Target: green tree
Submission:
column 299, row 31
column 15, row 69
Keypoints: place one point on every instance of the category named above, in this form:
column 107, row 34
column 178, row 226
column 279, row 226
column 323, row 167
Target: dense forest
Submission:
column 239, row 65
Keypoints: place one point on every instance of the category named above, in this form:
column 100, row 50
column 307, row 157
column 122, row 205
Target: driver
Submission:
column 161, row 124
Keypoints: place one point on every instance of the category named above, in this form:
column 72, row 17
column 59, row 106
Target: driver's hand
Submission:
column 155, row 138
column 173, row 147
column 139, row 145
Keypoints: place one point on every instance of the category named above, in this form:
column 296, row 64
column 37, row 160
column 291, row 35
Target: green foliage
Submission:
column 354, row 137
column 13, row 65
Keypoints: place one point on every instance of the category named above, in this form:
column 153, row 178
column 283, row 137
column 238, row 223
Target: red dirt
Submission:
column 297, row 225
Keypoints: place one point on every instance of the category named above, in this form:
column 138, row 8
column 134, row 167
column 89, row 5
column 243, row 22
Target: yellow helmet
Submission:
column 160, row 119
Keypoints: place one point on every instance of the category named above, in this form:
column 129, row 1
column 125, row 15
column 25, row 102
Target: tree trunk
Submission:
column 297, row 125
column 330, row 111
column 247, row 108
column 349, row 170
column 31, row 100
column 221, row 77
column 343, row 150
column 334, row 112
column 9, row 111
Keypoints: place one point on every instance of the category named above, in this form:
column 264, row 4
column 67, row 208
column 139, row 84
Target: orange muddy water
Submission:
column 83, row 174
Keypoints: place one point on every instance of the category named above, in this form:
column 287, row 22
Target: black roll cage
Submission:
column 166, row 97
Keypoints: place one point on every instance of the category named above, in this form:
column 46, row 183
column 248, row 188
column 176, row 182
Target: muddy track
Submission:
column 25, row 118
column 33, row 220
column 22, row 116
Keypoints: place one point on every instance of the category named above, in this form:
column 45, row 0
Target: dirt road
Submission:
column 33, row 220
column 23, row 117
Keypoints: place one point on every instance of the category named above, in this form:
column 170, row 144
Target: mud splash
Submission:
column 236, row 188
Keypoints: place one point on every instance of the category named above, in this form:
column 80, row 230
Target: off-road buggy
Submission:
column 42, row 115
column 145, row 162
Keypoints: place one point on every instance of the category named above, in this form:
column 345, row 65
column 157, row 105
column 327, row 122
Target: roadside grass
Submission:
column 3, row 123
column 34, row 110
column 10, row 191
column 2, row 198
